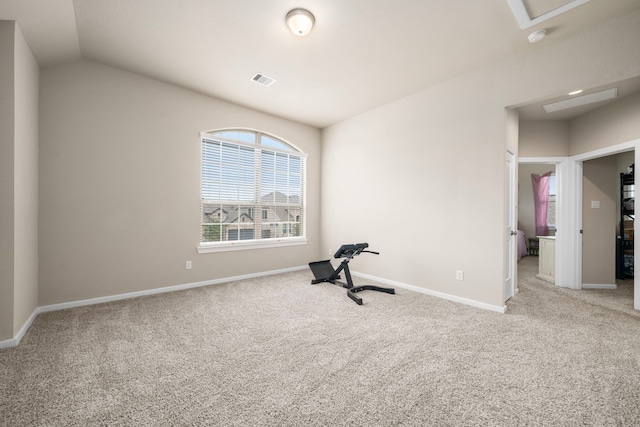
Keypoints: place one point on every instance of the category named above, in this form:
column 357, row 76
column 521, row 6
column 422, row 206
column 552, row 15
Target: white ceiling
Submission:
column 360, row 55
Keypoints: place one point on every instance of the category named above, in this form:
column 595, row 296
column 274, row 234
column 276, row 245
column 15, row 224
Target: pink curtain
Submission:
column 540, row 185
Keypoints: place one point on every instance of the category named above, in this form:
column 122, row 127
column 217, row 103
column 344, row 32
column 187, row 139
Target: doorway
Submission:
column 567, row 259
column 526, row 201
column 606, row 227
column 616, row 149
column 537, row 224
column 569, row 213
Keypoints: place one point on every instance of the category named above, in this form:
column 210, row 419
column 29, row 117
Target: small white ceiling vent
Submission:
column 263, row 80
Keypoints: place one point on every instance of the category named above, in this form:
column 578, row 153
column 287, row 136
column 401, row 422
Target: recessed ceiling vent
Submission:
column 263, row 80
column 582, row 100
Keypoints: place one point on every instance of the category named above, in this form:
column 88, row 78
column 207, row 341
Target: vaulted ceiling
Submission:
column 360, row 55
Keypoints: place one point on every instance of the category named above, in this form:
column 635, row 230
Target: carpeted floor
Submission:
column 277, row 351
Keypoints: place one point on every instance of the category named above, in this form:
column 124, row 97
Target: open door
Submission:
column 510, row 227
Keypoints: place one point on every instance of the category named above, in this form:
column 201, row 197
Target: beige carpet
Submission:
column 278, row 351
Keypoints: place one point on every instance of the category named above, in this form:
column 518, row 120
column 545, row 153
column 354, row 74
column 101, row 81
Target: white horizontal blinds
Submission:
column 250, row 188
column 211, row 209
column 296, row 195
column 228, row 190
column 282, row 193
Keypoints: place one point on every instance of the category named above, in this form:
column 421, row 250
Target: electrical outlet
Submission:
column 188, row 265
column 459, row 275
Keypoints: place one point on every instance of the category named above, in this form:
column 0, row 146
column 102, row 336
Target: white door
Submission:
column 510, row 227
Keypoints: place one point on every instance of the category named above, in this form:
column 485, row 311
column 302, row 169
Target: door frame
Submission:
column 569, row 212
column 511, row 289
column 568, row 257
column 608, row 151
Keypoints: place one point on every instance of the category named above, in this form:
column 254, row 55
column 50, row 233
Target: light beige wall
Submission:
column 612, row 124
column 615, row 123
column 119, row 184
column 423, row 178
column 7, row 31
column 526, row 212
column 513, row 131
column 26, row 182
column 600, row 184
column 544, row 138
column 18, row 180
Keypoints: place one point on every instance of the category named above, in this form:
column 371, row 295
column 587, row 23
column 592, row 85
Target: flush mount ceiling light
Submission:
column 582, row 100
column 300, row 21
column 575, row 92
column 536, row 36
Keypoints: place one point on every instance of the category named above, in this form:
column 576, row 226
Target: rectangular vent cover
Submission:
column 263, row 80
column 582, row 100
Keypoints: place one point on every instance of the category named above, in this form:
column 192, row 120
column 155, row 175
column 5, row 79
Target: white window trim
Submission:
column 213, row 137
column 240, row 245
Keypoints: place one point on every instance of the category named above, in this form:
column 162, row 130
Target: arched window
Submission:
column 251, row 192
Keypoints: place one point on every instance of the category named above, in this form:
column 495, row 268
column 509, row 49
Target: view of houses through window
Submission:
column 252, row 187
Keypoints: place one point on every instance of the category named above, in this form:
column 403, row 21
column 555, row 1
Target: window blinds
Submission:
column 250, row 191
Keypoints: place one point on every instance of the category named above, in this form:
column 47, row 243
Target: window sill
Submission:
column 205, row 248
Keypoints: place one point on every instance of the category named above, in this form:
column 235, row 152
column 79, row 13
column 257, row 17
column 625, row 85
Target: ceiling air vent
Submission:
column 582, row 100
column 263, row 80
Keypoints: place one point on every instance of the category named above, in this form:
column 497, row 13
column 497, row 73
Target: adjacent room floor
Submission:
column 620, row 298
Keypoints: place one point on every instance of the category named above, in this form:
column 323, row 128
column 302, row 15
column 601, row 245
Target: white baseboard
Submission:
column 13, row 342
column 8, row 343
column 448, row 297
column 100, row 300
column 598, row 286
column 92, row 301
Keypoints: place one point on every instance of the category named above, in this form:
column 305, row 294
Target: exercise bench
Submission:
column 324, row 271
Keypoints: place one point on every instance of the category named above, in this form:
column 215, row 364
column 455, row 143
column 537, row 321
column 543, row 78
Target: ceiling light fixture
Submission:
column 575, row 92
column 300, row 21
column 536, row 36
